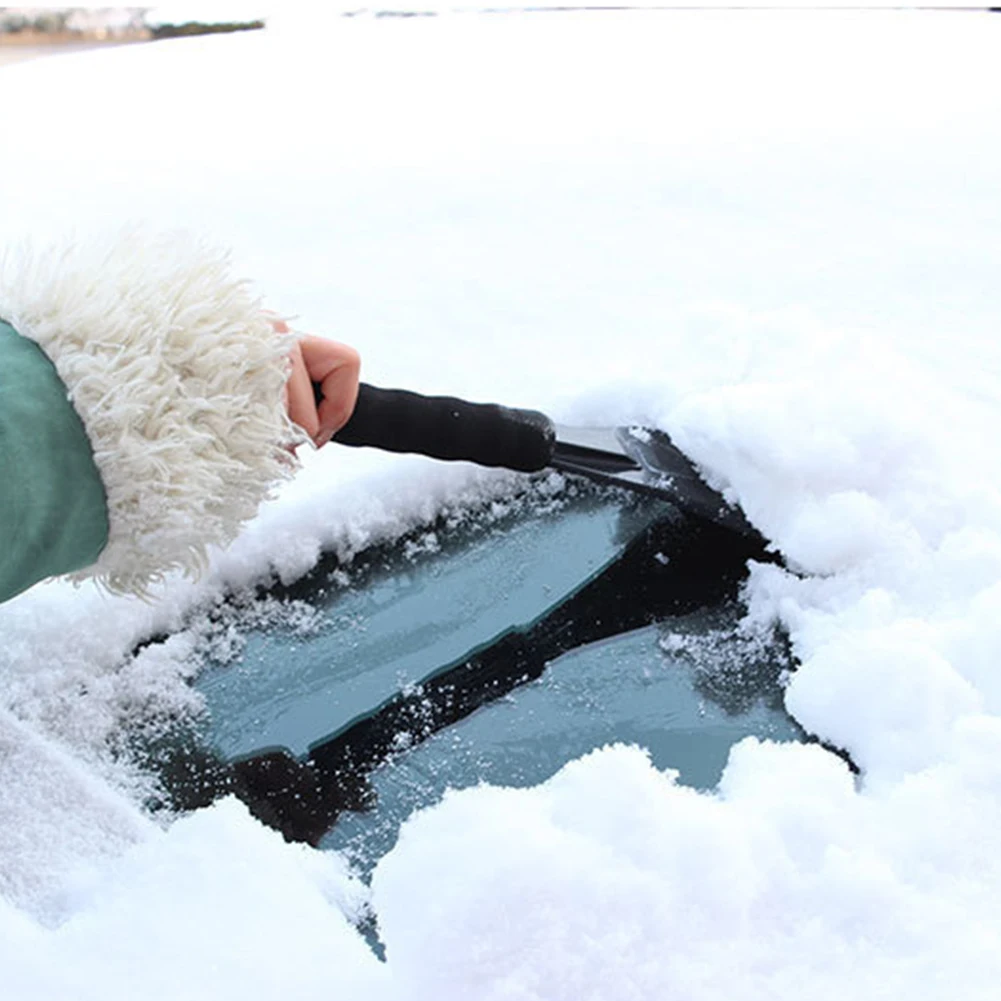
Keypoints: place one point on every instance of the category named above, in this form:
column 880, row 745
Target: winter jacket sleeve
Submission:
column 52, row 505
column 142, row 416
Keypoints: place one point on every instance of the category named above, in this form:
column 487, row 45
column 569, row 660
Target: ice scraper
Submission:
column 443, row 427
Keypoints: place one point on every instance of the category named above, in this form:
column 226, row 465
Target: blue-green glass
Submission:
column 686, row 688
column 686, row 691
column 408, row 621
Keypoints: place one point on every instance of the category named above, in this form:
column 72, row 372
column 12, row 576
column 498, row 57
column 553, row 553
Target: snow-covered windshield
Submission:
column 772, row 234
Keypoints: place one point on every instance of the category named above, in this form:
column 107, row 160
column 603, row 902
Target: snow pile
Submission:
column 612, row 883
column 773, row 235
column 218, row 906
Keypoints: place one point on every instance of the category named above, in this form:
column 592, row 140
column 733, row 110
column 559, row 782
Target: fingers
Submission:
column 336, row 367
column 299, row 395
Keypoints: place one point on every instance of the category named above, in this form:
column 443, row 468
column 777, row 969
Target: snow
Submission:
column 774, row 235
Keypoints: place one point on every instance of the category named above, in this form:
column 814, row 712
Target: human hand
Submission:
column 336, row 368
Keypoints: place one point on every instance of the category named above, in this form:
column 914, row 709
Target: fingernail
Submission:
column 323, row 437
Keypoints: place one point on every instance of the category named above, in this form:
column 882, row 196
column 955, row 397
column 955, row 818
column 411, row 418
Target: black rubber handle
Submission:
column 444, row 427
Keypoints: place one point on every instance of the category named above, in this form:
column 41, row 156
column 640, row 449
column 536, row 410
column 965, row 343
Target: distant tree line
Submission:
column 105, row 23
column 42, row 22
column 70, row 22
column 200, row 28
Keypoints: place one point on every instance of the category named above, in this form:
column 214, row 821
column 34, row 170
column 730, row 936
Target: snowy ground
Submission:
column 776, row 235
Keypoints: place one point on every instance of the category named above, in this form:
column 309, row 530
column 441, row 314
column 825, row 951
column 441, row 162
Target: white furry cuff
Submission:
column 177, row 375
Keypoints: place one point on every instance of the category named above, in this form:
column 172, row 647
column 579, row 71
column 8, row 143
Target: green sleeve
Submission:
column 53, row 515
